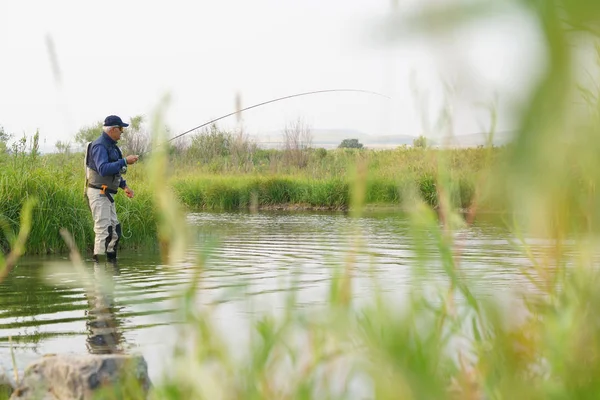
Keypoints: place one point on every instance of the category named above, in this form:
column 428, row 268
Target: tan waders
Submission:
column 107, row 229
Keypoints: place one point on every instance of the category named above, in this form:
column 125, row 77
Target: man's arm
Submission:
column 100, row 157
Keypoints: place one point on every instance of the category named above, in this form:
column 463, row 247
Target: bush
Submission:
column 350, row 144
column 421, row 142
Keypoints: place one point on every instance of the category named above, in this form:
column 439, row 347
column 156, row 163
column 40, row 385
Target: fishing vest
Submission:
column 92, row 177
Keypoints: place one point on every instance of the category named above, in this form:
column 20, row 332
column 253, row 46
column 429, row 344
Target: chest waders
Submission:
column 107, row 229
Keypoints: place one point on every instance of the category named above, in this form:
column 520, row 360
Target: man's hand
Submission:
column 131, row 159
column 128, row 191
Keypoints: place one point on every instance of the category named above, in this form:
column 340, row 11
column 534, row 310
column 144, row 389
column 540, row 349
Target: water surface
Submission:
column 252, row 260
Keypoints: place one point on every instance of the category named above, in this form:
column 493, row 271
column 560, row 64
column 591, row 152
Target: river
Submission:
column 251, row 261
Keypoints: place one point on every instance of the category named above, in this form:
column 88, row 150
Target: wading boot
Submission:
column 111, row 256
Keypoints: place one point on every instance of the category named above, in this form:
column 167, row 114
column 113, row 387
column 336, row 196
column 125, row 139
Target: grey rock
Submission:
column 83, row 377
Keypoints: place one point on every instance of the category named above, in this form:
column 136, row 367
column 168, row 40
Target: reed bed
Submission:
column 56, row 181
column 57, row 185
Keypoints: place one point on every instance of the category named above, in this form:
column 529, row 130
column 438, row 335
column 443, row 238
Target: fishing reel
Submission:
column 123, row 170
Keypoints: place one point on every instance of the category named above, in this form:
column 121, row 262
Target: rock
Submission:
column 84, row 377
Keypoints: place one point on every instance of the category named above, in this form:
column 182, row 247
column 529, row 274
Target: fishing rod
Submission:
column 268, row 102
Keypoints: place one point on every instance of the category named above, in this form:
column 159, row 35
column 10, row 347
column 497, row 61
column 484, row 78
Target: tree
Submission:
column 210, row 143
column 136, row 138
column 350, row 144
column 4, row 138
column 34, row 146
column 421, row 142
column 297, row 140
column 89, row 133
column 63, row 147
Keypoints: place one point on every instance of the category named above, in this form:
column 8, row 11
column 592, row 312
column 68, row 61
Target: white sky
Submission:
column 120, row 57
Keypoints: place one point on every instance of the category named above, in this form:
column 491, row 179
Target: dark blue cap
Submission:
column 113, row 120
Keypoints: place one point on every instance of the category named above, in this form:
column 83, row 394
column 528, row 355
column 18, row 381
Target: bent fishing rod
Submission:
column 268, row 102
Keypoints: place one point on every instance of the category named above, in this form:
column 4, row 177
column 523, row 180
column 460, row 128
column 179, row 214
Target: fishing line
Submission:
column 130, row 233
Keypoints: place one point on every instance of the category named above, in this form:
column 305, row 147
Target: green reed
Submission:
column 445, row 341
column 57, row 182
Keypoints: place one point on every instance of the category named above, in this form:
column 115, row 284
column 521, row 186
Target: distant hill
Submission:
column 331, row 138
column 397, row 140
column 500, row 138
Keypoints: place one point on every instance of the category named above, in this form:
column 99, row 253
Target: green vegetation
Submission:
column 88, row 133
column 56, row 181
column 446, row 341
column 219, row 171
column 421, row 141
column 350, row 144
column 4, row 138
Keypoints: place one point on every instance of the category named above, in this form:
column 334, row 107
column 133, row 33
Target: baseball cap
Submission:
column 113, row 120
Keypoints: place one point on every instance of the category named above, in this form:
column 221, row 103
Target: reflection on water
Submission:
column 132, row 306
column 105, row 332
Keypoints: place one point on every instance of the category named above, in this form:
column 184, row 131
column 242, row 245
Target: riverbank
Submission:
column 326, row 183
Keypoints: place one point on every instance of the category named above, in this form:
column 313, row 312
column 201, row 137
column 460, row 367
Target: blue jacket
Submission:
column 106, row 157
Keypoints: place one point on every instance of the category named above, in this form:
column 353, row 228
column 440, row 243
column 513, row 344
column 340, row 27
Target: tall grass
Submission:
column 56, row 181
column 446, row 341
column 323, row 183
column 234, row 192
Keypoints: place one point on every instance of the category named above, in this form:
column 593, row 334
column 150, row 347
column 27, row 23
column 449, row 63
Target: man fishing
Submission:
column 105, row 166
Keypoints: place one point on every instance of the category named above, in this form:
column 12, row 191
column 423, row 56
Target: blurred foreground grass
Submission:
column 551, row 351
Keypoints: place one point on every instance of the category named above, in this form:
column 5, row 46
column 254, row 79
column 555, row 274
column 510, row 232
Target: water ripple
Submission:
column 256, row 257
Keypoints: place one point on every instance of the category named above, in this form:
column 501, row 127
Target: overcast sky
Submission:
column 121, row 57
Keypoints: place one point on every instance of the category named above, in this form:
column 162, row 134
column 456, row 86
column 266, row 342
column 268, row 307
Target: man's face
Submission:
column 116, row 133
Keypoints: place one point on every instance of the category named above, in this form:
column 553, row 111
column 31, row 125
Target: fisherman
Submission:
column 105, row 166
